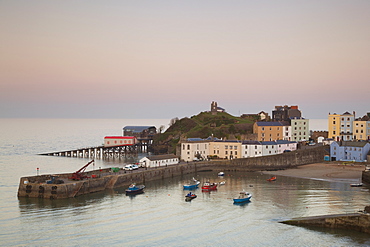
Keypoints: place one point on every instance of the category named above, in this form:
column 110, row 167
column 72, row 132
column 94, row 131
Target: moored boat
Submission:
column 207, row 186
column 221, row 174
column 193, row 184
column 243, row 197
column 135, row 189
column 190, row 196
column 272, row 179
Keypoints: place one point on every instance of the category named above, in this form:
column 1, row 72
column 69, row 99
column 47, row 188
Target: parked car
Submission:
column 134, row 167
column 128, row 168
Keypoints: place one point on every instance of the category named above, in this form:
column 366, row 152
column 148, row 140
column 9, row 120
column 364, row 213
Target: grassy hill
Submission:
column 203, row 125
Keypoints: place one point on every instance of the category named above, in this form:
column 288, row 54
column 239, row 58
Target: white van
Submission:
column 128, row 168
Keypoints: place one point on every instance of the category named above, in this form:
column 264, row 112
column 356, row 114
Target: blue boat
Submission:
column 193, row 184
column 243, row 197
column 190, row 196
column 134, row 189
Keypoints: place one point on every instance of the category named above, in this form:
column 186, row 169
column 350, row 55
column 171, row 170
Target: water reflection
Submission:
column 162, row 208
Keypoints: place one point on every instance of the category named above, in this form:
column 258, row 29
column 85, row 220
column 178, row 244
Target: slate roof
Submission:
column 162, row 157
column 284, row 142
column 352, row 144
column 268, row 143
column 137, row 128
column 251, row 142
column 269, row 124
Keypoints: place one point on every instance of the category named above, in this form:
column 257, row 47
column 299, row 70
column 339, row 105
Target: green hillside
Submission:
column 203, row 125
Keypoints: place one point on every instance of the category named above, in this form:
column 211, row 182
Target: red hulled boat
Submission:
column 209, row 186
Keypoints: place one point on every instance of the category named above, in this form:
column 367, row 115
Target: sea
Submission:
column 160, row 216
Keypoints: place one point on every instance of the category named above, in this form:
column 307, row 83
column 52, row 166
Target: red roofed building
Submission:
column 114, row 141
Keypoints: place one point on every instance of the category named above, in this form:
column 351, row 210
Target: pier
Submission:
column 102, row 152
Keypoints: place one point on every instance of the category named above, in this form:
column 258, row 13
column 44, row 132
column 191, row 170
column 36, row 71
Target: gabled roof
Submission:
column 137, row 128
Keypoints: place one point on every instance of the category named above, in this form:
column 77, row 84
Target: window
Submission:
column 235, row 147
column 226, row 147
column 236, row 152
column 225, row 152
column 188, row 146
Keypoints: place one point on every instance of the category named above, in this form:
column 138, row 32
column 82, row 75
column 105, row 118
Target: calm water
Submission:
column 160, row 216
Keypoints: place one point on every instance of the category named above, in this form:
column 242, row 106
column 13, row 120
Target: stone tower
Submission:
column 214, row 108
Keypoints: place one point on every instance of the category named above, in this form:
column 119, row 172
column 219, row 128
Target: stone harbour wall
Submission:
column 99, row 180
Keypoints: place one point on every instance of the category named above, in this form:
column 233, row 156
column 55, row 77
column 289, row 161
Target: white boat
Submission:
column 221, row 174
column 222, row 182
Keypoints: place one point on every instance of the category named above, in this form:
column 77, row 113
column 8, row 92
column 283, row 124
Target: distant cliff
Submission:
column 203, row 125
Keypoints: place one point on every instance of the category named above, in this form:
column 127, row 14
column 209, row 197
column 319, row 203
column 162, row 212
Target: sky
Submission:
column 166, row 59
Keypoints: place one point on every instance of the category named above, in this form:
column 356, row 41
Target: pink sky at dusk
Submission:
column 165, row 59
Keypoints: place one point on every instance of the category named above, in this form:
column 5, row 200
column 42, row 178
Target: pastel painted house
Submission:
column 269, row 148
column 349, row 151
column 251, row 149
column 283, row 145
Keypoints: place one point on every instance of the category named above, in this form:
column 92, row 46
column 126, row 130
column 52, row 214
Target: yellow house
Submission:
column 340, row 127
column 360, row 130
column 269, row 131
column 334, row 126
column 225, row 149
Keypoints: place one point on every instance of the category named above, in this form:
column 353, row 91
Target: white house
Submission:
column 159, row 160
column 194, row 149
column 251, row 149
column 268, row 148
column 282, row 145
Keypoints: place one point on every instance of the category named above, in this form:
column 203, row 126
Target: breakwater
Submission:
column 356, row 221
column 99, row 180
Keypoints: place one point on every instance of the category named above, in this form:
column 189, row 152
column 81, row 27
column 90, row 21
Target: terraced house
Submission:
column 269, row 131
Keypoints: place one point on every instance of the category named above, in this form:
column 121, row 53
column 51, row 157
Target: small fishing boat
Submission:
column 272, row 179
column 207, row 186
column 222, row 182
column 221, row 174
column 134, row 189
column 190, row 196
column 243, row 197
column 193, row 184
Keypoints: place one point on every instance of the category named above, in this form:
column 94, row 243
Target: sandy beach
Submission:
column 325, row 171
